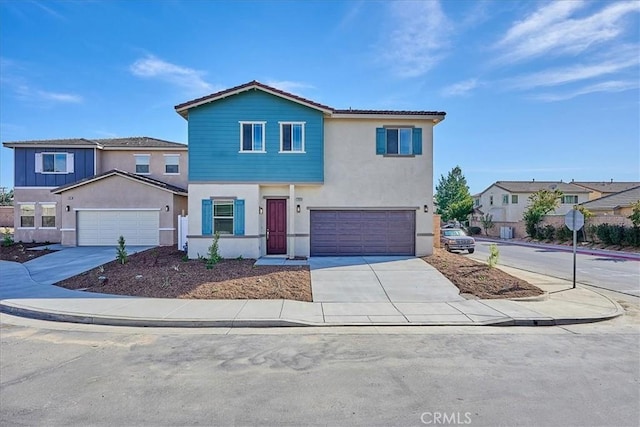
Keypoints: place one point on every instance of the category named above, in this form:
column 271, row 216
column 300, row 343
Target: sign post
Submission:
column 574, row 220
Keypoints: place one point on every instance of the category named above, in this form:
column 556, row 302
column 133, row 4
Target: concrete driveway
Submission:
column 67, row 262
column 379, row 279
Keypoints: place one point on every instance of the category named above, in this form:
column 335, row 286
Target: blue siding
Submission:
column 25, row 172
column 214, row 141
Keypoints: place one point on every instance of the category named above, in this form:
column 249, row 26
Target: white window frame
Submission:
column 48, row 205
column 264, row 140
column 398, row 129
column 574, row 199
column 302, row 148
column 33, row 205
column 148, row 164
column 215, row 202
column 167, row 156
column 68, row 166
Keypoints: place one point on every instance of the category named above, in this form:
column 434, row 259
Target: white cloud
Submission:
column 156, row 68
column 59, row 97
column 608, row 86
column 551, row 30
column 418, row 37
column 461, row 88
column 289, row 86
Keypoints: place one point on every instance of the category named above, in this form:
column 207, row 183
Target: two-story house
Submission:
column 277, row 174
column 91, row 191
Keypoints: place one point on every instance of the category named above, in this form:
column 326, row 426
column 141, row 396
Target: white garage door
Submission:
column 103, row 228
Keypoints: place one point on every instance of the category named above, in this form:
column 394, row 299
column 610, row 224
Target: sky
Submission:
column 532, row 89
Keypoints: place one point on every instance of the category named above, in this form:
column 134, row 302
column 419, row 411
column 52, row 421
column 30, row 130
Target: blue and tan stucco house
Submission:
column 278, row 174
column 90, row 191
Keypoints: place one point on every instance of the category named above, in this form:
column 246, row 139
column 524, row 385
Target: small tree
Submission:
column 494, row 255
column 453, row 197
column 6, row 199
column 121, row 251
column 540, row 203
column 587, row 214
column 635, row 216
column 213, row 256
column 487, row 223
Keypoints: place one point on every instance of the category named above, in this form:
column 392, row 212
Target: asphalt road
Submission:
column 614, row 274
column 78, row 375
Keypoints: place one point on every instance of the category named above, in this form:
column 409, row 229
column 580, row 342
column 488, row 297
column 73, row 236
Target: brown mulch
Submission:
column 18, row 252
column 162, row 273
column 478, row 279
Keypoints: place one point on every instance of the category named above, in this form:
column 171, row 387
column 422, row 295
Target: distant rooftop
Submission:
column 129, row 142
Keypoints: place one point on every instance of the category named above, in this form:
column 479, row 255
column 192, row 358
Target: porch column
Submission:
column 291, row 221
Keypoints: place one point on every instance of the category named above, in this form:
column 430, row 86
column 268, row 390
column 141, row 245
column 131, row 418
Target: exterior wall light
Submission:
column 298, row 208
column 67, row 208
column 260, row 210
column 166, row 208
column 426, row 208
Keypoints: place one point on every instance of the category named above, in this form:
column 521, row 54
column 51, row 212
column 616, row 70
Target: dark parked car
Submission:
column 455, row 239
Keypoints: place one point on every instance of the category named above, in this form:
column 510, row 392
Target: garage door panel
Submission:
column 362, row 232
column 103, row 228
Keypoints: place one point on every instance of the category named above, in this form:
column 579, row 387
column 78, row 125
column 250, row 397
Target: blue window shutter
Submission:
column 417, row 140
column 207, row 217
column 238, row 217
column 380, row 141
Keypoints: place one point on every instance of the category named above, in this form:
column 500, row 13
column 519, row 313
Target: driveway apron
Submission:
column 379, row 279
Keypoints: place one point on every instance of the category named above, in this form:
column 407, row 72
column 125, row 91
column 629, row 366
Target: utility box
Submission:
column 506, row 232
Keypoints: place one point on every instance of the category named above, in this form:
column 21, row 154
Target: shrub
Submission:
column 213, row 257
column 548, row 232
column 616, row 233
column 494, row 254
column 121, row 251
column 563, row 234
column 474, row 231
column 7, row 240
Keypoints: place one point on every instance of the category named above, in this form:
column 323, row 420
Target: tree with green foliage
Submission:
column 121, row 251
column 6, row 199
column 453, row 197
column 540, row 203
column 635, row 215
column 487, row 223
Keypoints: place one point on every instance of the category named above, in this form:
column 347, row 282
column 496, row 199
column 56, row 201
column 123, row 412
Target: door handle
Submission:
column 267, row 234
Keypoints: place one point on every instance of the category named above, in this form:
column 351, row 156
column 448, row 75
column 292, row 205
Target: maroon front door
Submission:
column 276, row 226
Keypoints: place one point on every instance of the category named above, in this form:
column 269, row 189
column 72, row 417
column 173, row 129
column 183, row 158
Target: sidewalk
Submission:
column 21, row 295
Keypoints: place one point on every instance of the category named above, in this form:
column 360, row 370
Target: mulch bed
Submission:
column 162, row 273
column 478, row 279
column 18, row 252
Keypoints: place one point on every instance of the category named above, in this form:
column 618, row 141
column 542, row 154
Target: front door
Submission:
column 276, row 226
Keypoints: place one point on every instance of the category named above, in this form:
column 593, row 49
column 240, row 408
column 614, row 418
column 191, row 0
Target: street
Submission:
column 615, row 274
column 68, row 374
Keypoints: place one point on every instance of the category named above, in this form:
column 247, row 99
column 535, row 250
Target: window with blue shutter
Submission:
column 238, row 219
column 380, row 141
column 207, row 217
column 399, row 141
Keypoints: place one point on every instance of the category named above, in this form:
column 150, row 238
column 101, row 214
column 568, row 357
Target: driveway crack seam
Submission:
column 385, row 292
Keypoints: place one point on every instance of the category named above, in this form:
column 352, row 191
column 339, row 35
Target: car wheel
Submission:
column 471, row 251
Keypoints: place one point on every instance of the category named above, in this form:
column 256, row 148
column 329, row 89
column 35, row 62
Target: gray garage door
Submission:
column 362, row 233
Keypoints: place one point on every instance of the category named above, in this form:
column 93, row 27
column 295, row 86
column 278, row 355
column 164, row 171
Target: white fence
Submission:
column 183, row 227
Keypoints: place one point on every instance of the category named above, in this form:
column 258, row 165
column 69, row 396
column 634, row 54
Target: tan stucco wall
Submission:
column 38, row 197
column 125, row 160
column 116, row 192
column 6, row 216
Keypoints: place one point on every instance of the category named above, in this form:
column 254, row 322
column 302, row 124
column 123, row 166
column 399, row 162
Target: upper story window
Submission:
column 476, row 202
column 490, row 200
column 142, row 163
column 292, row 137
column 514, row 199
column 172, row 164
column 27, row 216
column 505, row 199
column 569, row 200
column 54, row 162
column 399, row 141
column 252, row 137
column 48, row 216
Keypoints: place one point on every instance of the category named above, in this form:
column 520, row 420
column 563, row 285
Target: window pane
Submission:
column 247, row 138
column 286, row 137
column 297, row 137
column 392, row 141
column 142, row 164
column 223, row 225
column 47, row 163
column 514, row 199
column 27, row 216
column 171, row 164
column 61, row 162
column 48, row 221
column 405, row 141
column 257, row 137
column 224, row 209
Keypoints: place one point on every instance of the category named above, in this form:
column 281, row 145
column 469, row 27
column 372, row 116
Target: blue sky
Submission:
column 544, row 90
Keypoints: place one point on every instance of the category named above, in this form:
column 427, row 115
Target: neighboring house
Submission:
column 277, row 174
column 90, row 191
column 603, row 188
column 506, row 201
column 620, row 204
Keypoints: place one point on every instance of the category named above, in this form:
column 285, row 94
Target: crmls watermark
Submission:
column 446, row 418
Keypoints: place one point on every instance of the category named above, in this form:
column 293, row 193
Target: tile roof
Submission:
column 144, row 179
column 607, row 187
column 533, row 186
column 182, row 108
column 622, row 199
column 129, row 142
